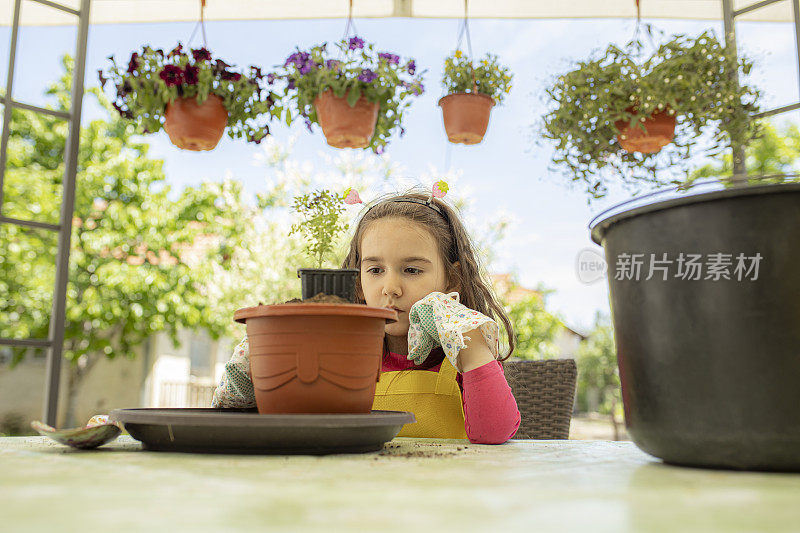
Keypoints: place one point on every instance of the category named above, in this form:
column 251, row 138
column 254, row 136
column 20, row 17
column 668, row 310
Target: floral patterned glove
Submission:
column 440, row 320
column 236, row 387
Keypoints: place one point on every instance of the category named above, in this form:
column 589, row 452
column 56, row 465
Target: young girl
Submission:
column 412, row 250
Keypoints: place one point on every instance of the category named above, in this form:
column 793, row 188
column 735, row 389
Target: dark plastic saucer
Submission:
column 245, row 431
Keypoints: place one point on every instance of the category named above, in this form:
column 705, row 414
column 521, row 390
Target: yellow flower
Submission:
column 458, row 53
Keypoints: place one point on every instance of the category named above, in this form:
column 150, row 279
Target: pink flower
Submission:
column 440, row 189
column 352, row 197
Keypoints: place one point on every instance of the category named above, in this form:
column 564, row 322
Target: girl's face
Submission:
column 400, row 265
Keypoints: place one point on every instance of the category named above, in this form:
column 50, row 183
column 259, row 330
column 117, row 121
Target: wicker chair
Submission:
column 545, row 391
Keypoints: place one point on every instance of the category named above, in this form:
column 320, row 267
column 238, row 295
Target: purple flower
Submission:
column 133, row 64
column 379, row 150
column 306, row 67
column 412, row 67
column 298, row 59
column 417, row 89
column 332, row 64
column 219, row 67
column 124, row 88
column 125, row 113
column 367, row 76
column 228, row 75
column 172, row 75
column 178, row 50
column 291, row 84
column 308, row 124
column 201, row 54
column 355, row 43
column 390, row 58
column 191, row 75
column 271, row 78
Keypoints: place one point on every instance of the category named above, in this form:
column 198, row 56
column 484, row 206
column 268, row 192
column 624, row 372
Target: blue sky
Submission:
column 507, row 173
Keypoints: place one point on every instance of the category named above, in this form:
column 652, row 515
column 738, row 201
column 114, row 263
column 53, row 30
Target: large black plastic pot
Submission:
column 710, row 369
column 334, row 281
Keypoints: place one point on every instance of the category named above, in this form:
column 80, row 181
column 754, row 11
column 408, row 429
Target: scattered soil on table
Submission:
column 418, row 450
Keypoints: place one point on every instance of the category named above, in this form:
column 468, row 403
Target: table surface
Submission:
column 411, row 485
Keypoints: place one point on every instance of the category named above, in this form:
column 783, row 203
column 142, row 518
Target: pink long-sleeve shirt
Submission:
column 491, row 415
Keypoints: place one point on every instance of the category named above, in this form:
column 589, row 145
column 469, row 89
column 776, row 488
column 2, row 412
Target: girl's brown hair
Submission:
column 462, row 267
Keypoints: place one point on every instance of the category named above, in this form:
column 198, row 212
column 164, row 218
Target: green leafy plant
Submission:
column 321, row 212
column 693, row 79
column 357, row 70
column 152, row 79
column 134, row 265
column 489, row 77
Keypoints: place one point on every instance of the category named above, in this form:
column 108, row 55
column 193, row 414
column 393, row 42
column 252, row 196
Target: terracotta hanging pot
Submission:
column 345, row 126
column 660, row 129
column 315, row 358
column 466, row 116
column 196, row 127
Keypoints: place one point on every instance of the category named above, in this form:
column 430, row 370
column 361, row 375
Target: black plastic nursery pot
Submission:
column 334, row 281
column 710, row 367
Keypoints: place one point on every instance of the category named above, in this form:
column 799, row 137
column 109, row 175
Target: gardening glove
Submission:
column 236, row 387
column 440, row 320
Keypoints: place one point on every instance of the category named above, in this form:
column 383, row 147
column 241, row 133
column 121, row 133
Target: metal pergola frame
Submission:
column 55, row 341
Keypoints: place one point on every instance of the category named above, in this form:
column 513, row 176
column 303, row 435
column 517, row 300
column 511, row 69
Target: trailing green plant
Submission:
column 694, row 79
column 152, row 79
column 355, row 71
column 488, row 77
column 321, row 213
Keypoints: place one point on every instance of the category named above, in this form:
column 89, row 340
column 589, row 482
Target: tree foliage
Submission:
column 130, row 272
column 768, row 158
column 597, row 368
column 535, row 327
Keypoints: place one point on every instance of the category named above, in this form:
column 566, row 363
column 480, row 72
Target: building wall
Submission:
column 111, row 384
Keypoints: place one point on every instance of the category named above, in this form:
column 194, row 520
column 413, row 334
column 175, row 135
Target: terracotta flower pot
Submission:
column 660, row 129
column 466, row 116
column 345, row 126
column 196, row 127
column 315, row 358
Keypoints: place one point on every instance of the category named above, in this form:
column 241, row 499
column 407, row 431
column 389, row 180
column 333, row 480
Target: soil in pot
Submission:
column 195, row 127
column 659, row 129
column 315, row 357
column 320, row 298
column 345, row 126
column 466, row 116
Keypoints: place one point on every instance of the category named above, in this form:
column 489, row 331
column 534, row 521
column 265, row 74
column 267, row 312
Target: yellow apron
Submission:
column 433, row 397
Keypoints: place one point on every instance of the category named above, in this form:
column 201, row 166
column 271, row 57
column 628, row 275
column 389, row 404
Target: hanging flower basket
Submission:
column 346, row 126
column 371, row 88
column 472, row 92
column 193, row 126
column 193, row 96
column 639, row 117
column 466, row 116
column 655, row 132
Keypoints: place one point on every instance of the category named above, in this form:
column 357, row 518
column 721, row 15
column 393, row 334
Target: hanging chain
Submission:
column 200, row 24
column 465, row 31
column 350, row 24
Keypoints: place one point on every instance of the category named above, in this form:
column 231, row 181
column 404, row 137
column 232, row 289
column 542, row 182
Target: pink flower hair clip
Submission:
column 438, row 190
